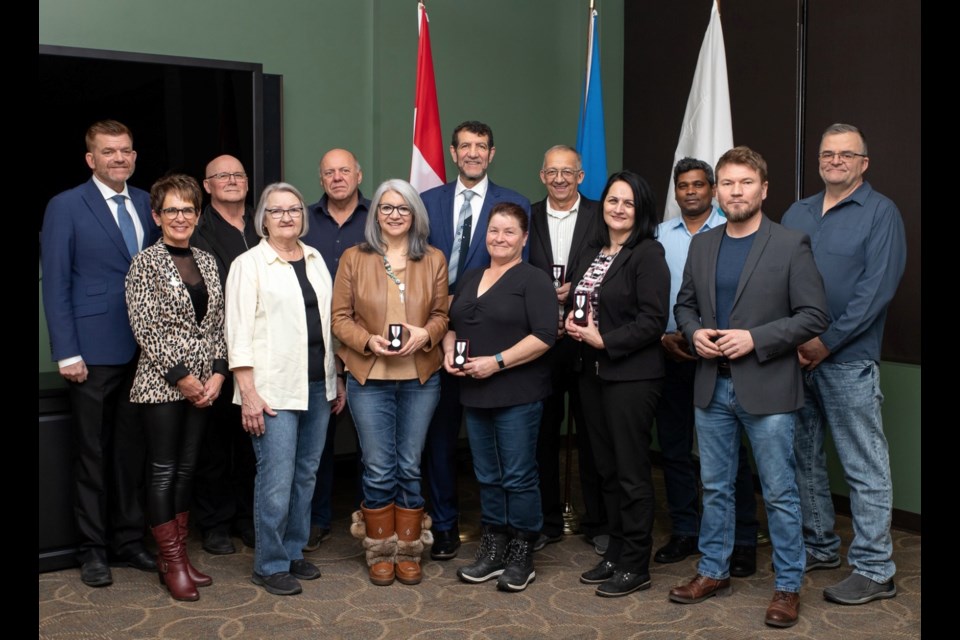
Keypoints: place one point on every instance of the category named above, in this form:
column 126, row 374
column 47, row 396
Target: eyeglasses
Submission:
column 550, row 174
column 171, row 213
column 386, row 210
column 277, row 213
column 845, row 156
column 239, row 176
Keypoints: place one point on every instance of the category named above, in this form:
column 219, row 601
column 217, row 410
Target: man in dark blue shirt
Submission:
column 337, row 222
column 860, row 249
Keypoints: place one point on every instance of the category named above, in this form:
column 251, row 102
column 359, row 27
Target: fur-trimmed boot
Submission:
column 170, row 563
column 375, row 527
column 199, row 579
column 413, row 536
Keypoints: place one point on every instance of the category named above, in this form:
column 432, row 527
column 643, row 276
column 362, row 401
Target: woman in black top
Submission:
column 175, row 304
column 508, row 314
column 618, row 312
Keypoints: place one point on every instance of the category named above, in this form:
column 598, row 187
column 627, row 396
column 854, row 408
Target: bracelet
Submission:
column 499, row 359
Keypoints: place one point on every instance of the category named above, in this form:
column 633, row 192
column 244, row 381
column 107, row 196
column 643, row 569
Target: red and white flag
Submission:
column 427, row 165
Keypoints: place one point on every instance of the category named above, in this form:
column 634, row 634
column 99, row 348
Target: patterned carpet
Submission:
column 343, row 603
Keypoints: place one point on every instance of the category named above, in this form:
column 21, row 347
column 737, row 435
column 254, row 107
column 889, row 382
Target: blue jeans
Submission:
column 846, row 396
column 288, row 454
column 718, row 434
column 392, row 418
column 675, row 427
column 503, row 442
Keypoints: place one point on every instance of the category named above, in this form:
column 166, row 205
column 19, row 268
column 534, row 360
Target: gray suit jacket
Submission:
column 779, row 299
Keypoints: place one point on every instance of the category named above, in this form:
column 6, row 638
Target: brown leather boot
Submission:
column 171, row 564
column 375, row 527
column 413, row 536
column 199, row 579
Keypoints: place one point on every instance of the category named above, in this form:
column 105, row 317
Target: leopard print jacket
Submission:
column 165, row 325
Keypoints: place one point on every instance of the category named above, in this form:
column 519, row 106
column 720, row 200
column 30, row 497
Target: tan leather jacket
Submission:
column 360, row 304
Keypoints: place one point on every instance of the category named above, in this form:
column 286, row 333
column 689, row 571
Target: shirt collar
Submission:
column 107, row 192
column 479, row 189
column 563, row 214
column 362, row 203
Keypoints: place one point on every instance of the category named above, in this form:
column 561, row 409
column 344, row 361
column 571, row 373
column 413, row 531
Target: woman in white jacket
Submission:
column 281, row 351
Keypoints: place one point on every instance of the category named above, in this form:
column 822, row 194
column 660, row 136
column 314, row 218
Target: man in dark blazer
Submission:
column 560, row 226
column 751, row 293
column 90, row 234
column 458, row 214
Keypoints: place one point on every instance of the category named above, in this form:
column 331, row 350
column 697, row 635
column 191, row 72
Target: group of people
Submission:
column 420, row 311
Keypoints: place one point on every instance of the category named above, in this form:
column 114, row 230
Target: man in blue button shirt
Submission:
column 337, row 222
column 694, row 189
column 860, row 249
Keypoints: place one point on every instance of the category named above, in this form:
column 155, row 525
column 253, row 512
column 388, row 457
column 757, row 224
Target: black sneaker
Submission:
column 679, row 548
column 304, row 570
column 816, row 564
column 622, row 583
column 519, row 570
column 279, row 584
column 600, row 573
column 218, row 542
column 489, row 561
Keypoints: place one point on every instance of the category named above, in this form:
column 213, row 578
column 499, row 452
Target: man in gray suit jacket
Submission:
column 751, row 294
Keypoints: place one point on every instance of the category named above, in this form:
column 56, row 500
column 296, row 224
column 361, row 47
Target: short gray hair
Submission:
column 839, row 127
column 260, row 215
column 563, row 147
column 419, row 229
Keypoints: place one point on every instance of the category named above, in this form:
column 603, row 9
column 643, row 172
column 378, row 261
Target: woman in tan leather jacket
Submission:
column 390, row 314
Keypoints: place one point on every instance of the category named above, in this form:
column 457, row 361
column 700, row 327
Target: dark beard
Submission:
column 741, row 217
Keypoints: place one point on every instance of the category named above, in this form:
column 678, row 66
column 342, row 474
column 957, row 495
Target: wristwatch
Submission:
column 499, row 358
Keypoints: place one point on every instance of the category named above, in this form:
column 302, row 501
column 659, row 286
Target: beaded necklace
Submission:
column 393, row 276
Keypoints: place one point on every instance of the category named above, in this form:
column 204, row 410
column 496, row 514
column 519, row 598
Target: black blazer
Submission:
column 634, row 303
column 541, row 251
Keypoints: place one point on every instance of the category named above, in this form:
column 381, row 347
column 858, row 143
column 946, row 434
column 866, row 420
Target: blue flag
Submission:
column 591, row 138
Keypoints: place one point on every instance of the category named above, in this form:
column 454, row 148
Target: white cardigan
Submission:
column 266, row 325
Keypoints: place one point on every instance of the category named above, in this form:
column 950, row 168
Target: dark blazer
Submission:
column 779, row 299
column 85, row 261
column 439, row 203
column 541, row 251
column 165, row 324
column 634, row 303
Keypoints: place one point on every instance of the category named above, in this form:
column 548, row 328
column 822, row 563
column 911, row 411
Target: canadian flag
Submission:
column 427, row 165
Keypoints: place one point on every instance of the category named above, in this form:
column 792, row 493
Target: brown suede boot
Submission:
column 375, row 527
column 413, row 536
column 199, row 579
column 171, row 564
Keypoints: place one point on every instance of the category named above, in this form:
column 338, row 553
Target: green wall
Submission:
column 349, row 68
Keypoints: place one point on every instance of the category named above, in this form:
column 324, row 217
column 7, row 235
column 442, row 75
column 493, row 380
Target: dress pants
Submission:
column 226, row 468
column 110, row 469
column 439, row 463
column 564, row 381
column 619, row 418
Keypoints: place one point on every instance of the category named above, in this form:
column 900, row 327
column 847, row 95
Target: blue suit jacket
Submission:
column 85, row 261
column 439, row 203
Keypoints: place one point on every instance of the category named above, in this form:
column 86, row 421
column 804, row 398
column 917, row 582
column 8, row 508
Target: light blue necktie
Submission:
column 462, row 238
column 127, row 229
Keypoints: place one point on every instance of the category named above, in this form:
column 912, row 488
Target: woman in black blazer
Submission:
column 618, row 311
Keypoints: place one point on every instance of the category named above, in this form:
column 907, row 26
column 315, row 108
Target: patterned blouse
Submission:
column 589, row 285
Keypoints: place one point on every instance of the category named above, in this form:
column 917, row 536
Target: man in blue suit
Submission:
column 458, row 214
column 90, row 235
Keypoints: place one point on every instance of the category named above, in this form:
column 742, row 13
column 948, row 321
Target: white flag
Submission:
column 707, row 131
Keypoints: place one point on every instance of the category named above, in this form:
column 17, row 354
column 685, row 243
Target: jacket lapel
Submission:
column 756, row 250
column 101, row 213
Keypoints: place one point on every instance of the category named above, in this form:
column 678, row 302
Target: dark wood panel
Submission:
column 863, row 67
